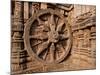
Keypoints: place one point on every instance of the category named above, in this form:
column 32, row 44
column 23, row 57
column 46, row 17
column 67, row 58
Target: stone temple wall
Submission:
column 80, row 52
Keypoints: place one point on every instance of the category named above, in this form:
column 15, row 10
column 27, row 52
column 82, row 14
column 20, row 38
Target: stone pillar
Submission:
column 17, row 51
column 87, row 40
column 75, row 42
column 93, row 45
column 26, row 11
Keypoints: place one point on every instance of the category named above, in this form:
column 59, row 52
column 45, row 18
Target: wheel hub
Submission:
column 53, row 36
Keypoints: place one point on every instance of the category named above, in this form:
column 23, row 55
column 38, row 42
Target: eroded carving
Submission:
column 52, row 33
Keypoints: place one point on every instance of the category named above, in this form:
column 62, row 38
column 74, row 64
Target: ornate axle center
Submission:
column 53, row 36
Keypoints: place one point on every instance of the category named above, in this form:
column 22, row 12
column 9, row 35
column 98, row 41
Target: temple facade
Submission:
column 48, row 37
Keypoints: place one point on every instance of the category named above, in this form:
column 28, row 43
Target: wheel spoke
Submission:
column 37, row 43
column 60, row 47
column 63, row 37
column 42, row 28
column 65, row 29
column 57, row 55
column 43, row 47
column 52, row 50
column 52, row 23
column 45, row 55
column 57, row 19
column 39, row 28
column 59, row 28
column 39, row 37
column 40, row 22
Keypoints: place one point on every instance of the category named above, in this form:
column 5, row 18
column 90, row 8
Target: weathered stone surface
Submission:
column 52, row 37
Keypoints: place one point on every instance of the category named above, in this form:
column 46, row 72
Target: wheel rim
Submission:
column 47, row 36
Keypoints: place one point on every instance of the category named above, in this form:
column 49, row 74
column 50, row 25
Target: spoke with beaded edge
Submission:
column 43, row 47
column 52, row 51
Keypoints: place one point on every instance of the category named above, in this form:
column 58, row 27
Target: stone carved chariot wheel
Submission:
column 47, row 36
